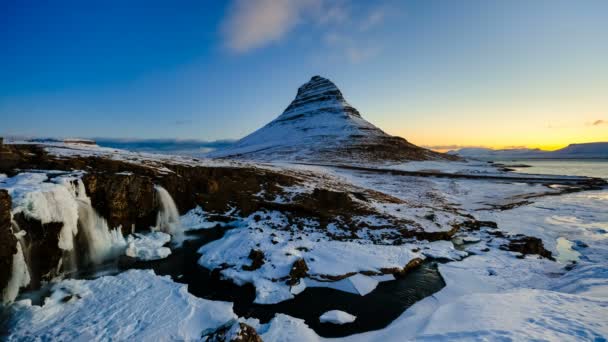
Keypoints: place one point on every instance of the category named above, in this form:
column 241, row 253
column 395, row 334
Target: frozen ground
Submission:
column 135, row 305
column 490, row 294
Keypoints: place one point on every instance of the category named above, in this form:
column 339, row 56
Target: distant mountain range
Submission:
column 321, row 126
column 598, row 150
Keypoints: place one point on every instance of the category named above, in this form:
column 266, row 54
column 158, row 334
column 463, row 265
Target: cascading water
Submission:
column 167, row 219
column 64, row 200
column 100, row 242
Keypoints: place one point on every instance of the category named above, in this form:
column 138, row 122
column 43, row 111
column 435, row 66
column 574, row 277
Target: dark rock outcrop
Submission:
column 528, row 245
column 257, row 260
column 229, row 333
column 298, row 271
column 43, row 253
column 400, row 272
column 8, row 241
column 124, row 200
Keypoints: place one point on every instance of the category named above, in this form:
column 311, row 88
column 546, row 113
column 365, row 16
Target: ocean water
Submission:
column 590, row 168
column 573, row 213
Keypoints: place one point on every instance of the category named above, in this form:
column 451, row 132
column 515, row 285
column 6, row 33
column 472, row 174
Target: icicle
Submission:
column 168, row 217
column 20, row 275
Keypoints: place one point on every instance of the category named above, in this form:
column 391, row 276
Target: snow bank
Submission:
column 323, row 256
column 148, row 246
column 337, row 317
column 135, row 305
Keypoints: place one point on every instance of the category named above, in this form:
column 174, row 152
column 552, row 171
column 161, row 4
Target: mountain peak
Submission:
column 319, row 125
column 319, row 94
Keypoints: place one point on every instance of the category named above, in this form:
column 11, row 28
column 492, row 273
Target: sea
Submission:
column 568, row 167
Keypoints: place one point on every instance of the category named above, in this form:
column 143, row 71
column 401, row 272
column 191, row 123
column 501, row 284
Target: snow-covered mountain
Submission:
column 598, row 150
column 320, row 126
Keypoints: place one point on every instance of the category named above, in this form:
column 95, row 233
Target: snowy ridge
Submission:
column 598, row 150
column 320, row 125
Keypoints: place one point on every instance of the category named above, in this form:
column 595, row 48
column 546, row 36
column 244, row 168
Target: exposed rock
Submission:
column 43, row 248
column 257, row 260
column 124, row 200
column 8, row 241
column 298, row 271
column 400, row 272
column 238, row 332
column 528, row 245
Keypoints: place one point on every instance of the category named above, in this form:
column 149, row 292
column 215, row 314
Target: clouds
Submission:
column 340, row 26
column 255, row 23
column 599, row 122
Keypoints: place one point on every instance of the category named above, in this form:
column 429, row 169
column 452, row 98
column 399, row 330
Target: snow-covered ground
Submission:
column 135, row 305
column 490, row 293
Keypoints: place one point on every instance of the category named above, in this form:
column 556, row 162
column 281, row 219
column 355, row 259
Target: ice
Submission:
column 363, row 284
column 64, row 199
column 20, row 277
column 136, row 305
column 148, row 246
column 337, row 317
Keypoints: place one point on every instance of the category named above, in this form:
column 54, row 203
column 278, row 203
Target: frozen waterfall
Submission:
column 20, row 275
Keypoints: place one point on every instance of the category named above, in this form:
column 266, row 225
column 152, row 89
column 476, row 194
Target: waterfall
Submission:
column 168, row 217
column 102, row 243
column 65, row 200
column 20, row 275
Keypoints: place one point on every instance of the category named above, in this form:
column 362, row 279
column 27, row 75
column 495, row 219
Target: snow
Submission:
column 135, row 305
column 148, row 246
column 318, row 119
column 197, row 218
column 47, row 202
column 285, row 328
column 63, row 199
column 323, row 256
column 337, row 317
column 523, row 314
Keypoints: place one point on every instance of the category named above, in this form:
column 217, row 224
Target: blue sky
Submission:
column 437, row 72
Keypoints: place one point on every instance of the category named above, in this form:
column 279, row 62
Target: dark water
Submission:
column 374, row 311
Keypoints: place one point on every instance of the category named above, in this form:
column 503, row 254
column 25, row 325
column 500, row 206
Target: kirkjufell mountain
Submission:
column 321, row 126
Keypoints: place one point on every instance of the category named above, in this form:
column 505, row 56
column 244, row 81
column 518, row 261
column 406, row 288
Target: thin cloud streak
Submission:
column 599, row 122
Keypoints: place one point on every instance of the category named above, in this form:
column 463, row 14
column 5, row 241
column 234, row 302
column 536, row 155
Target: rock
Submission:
column 8, row 241
column 43, row 244
column 238, row 332
column 298, row 271
column 124, row 200
column 257, row 257
column 400, row 272
column 528, row 245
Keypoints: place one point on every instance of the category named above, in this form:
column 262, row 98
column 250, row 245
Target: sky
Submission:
column 440, row 73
